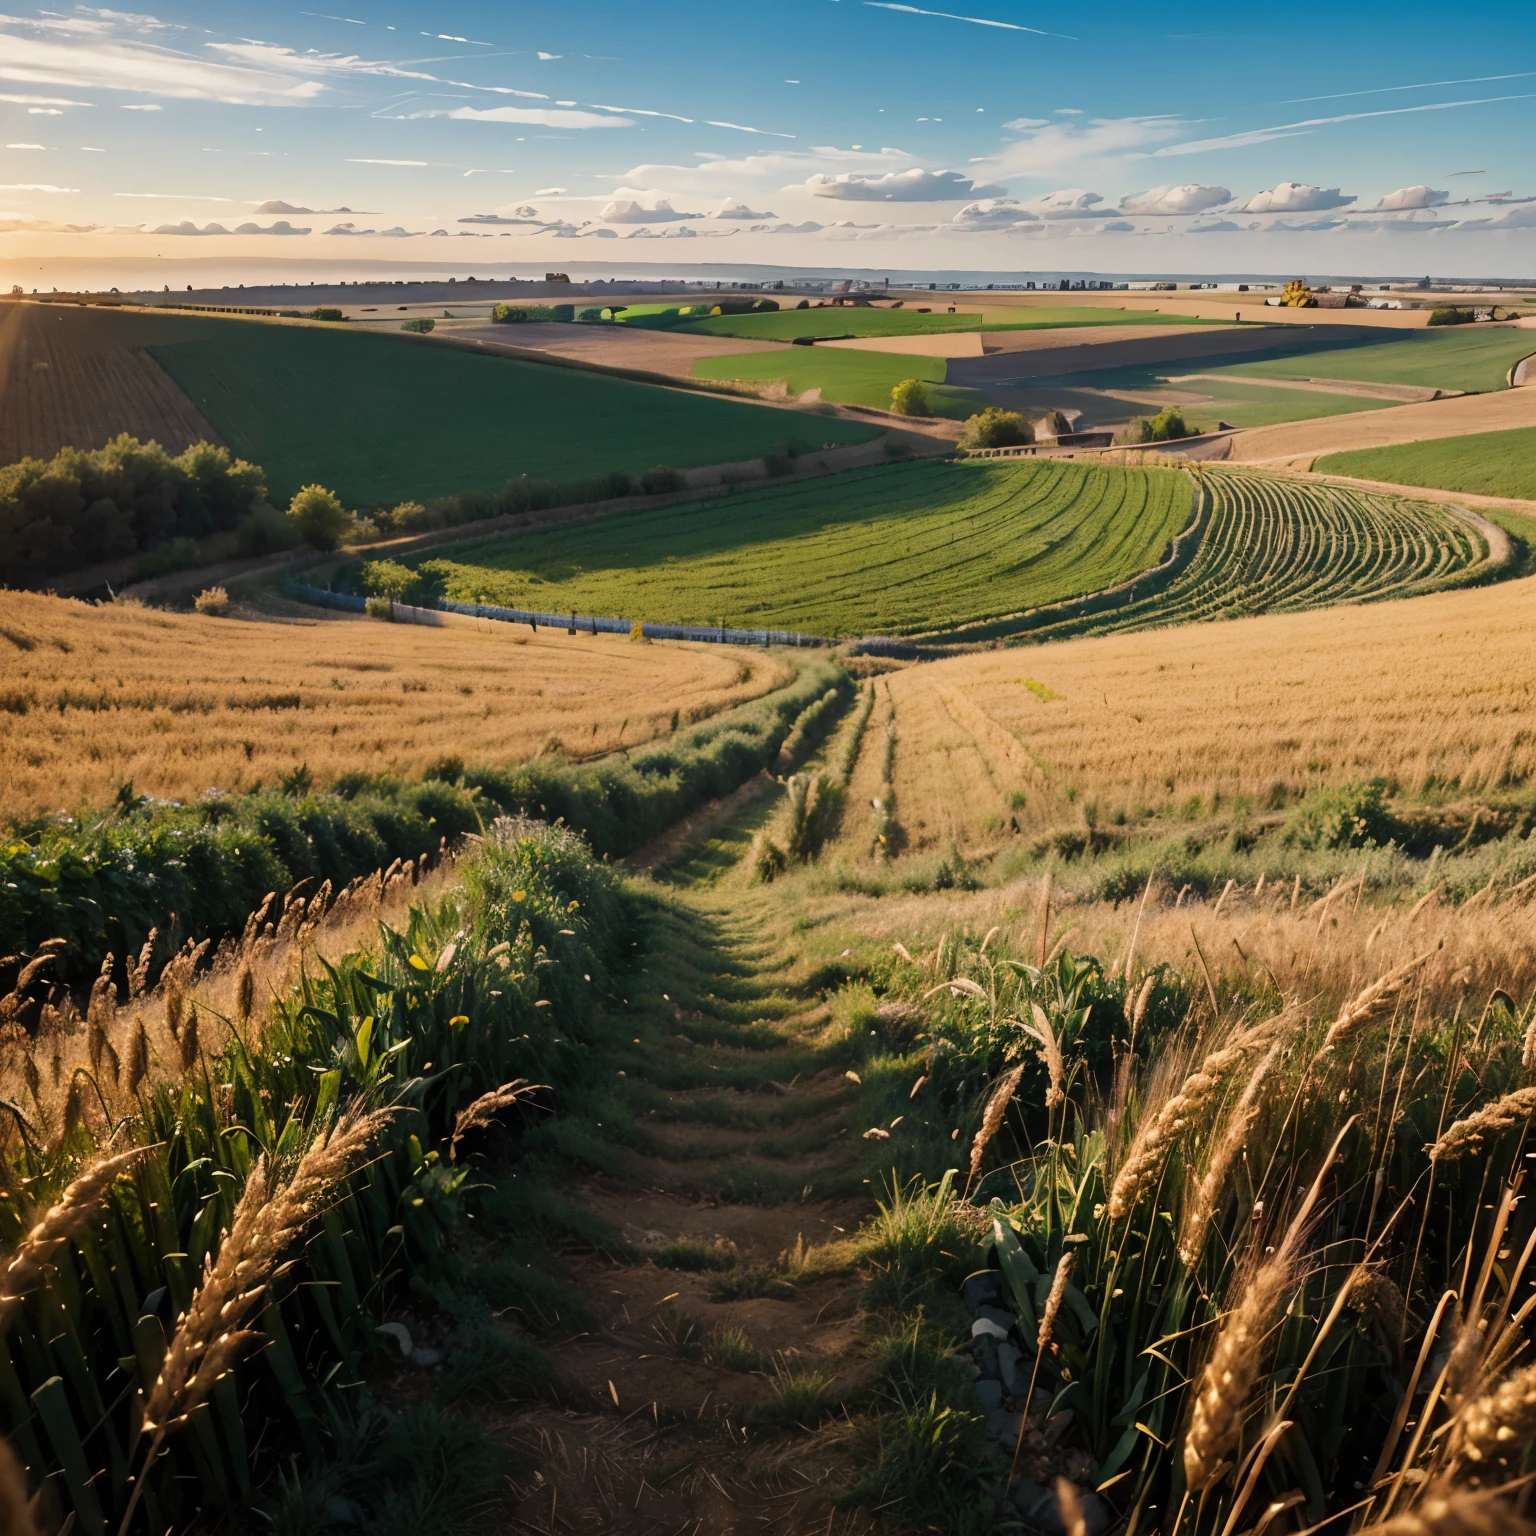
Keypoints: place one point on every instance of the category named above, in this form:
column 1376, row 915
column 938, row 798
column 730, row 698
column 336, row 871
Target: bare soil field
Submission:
column 68, row 380
column 181, row 703
column 613, row 346
column 1456, row 417
column 1269, row 707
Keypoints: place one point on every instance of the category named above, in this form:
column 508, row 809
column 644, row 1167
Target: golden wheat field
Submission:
column 181, row 703
column 1432, row 693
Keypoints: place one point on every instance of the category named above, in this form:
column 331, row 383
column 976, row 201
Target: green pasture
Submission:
column 1484, row 463
column 892, row 549
column 1468, row 357
column 1253, row 405
column 384, row 418
column 846, row 377
column 788, row 324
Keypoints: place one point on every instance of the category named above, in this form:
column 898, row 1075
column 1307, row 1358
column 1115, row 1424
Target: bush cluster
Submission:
column 1165, row 427
column 85, row 505
column 1448, row 314
column 997, row 428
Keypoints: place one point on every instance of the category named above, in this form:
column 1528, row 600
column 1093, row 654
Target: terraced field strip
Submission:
column 889, row 550
column 1276, row 546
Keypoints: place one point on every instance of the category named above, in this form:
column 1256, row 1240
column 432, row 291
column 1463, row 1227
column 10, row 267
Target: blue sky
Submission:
column 999, row 135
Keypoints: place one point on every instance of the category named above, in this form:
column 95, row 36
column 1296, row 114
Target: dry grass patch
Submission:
column 180, row 703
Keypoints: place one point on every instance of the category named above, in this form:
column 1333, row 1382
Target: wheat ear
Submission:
column 1372, row 1003
column 1201, row 1206
column 1050, row 1052
column 487, row 1107
column 1466, row 1135
column 1071, row 1508
column 992, row 1116
column 1442, row 1512
column 1064, row 1267
column 1156, row 1134
column 65, row 1217
column 268, row 1218
column 1501, row 1423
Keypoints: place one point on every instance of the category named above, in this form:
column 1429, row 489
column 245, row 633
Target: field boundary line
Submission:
column 984, row 731
column 572, row 622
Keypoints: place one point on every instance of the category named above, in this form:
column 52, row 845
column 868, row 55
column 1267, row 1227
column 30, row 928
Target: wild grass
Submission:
column 178, row 705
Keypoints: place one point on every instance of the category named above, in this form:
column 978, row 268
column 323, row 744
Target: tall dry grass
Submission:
column 1426, row 692
column 181, row 703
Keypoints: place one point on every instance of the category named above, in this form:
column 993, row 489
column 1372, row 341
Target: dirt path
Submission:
column 724, row 1318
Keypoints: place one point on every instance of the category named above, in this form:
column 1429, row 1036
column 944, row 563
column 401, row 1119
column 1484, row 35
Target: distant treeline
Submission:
column 88, row 505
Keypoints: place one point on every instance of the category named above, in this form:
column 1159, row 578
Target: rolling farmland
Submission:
column 1427, row 693
column 1485, row 463
column 1272, row 545
column 893, row 549
column 178, row 703
column 849, row 378
column 787, row 324
column 383, row 418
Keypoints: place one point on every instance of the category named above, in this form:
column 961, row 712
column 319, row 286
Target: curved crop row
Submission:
column 1278, row 546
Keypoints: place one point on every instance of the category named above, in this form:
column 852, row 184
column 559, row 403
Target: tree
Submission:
column 910, row 398
column 997, row 428
column 318, row 517
column 1297, row 295
column 387, row 578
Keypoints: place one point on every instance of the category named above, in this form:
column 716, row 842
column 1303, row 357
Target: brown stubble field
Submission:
column 1433, row 694
column 67, row 381
column 91, row 697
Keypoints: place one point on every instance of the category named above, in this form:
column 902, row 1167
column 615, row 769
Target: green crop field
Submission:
column 1467, row 357
column 787, row 324
column 385, row 418
column 842, row 375
column 1274, row 545
column 1486, row 463
column 1252, row 404
column 894, row 549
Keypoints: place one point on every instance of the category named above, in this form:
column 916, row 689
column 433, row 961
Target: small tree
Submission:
column 419, row 326
column 997, row 428
column 318, row 517
column 910, row 398
column 387, row 578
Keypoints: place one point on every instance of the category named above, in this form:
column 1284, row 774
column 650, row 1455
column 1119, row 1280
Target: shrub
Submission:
column 265, row 531
column 380, row 608
column 388, row 578
column 997, row 428
column 1448, row 314
column 803, row 304
column 662, row 479
column 1167, row 426
column 519, row 314
column 593, row 313
column 563, row 312
column 212, row 600
column 178, row 555
column 318, row 517
column 910, row 398
column 326, row 314
column 419, row 327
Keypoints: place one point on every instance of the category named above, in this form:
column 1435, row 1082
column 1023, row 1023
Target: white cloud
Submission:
column 187, row 227
column 1190, row 198
column 33, row 186
column 1117, row 227
column 807, row 227
column 1046, row 148
column 282, row 227
column 17, row 226
column 600, row 234
column 550, row 192
column 1297, row 197
column 975, row 21
column 24, row 146
column 1071, row 203
column 914, row 185
column 1214, row 227
column 521, row 217
column 626, row 211
column 1024, row 124
column 1306, row 125
column 388, row 162
column 731, row 209
column 993, row 213
column 543, row 117
column 1412, row 197
column 44, row 101
column 44, row 112
column 1522, row 217
column 142, row 106
column 1303, row 226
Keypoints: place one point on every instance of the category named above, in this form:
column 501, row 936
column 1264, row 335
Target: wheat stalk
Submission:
column 1064, row 1268
column 65, row 1217
column 992, row 1116
column 1050, row 1051
column 484, row 1111
column 268, row 1218
column 1466, row 1135
column 1372, row 1002
column 1201, row 1204
column 1157, row 1133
